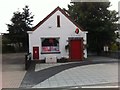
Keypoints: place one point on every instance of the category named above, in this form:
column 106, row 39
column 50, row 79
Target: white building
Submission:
column 119, row 10
column 118, row 31
column 49, row 38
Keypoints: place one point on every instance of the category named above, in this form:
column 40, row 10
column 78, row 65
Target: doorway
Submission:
column 76, row 49
column 35, row 52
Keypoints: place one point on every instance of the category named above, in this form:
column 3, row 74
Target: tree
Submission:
column 27, row 17
column 95, row 18
column 21, row 23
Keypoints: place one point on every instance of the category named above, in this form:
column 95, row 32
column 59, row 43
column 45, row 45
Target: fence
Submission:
column 115, row 54
column 27, row 61
column 112, row 54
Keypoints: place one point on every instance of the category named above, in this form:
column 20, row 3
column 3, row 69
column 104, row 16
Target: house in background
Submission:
column 50, row 37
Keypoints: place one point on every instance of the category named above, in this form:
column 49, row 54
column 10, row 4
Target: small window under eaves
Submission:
column 58, row 21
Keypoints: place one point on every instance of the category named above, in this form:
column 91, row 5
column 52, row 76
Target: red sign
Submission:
column 77, row 31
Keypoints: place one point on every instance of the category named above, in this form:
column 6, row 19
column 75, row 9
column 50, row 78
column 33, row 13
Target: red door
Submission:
column 76, row 49
column 35, row 52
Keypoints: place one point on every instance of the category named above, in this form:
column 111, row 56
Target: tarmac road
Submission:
column 13, row 58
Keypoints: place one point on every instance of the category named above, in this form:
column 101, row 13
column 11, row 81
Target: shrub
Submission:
column 62, row 60
column 114, row 47
column 8, row 49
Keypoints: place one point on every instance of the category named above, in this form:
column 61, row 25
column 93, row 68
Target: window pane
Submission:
column 50, row 45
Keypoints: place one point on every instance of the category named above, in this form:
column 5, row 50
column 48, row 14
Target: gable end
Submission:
column 63, row 12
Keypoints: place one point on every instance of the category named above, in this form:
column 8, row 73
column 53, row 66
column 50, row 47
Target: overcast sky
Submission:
column 39, row 8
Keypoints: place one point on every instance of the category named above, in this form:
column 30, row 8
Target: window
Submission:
column 58, row 21
column 50, row 45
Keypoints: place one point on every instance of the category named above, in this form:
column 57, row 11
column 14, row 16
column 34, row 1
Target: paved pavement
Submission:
column 93, row 71
column 83, row 75
column 12, row 70
column 0, row 71
column 12, row 76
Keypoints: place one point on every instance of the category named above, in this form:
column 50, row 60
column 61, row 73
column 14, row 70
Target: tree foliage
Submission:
column 21, row 22
column 95, row 18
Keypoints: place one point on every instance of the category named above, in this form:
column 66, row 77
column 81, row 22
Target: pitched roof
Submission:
column 63, row 12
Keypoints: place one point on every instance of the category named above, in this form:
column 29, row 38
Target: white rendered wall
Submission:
column 49, row 29
column 119, row 10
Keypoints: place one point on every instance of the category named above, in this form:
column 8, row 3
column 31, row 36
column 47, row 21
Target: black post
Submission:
column 27, row 61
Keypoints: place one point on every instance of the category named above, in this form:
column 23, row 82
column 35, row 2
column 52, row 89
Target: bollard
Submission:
column 27, row 61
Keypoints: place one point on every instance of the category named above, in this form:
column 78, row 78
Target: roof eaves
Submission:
column 63, row 12
column 41, row 22
column 71, row 19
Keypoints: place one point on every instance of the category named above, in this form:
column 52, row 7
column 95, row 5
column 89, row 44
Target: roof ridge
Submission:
column 56, row 9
